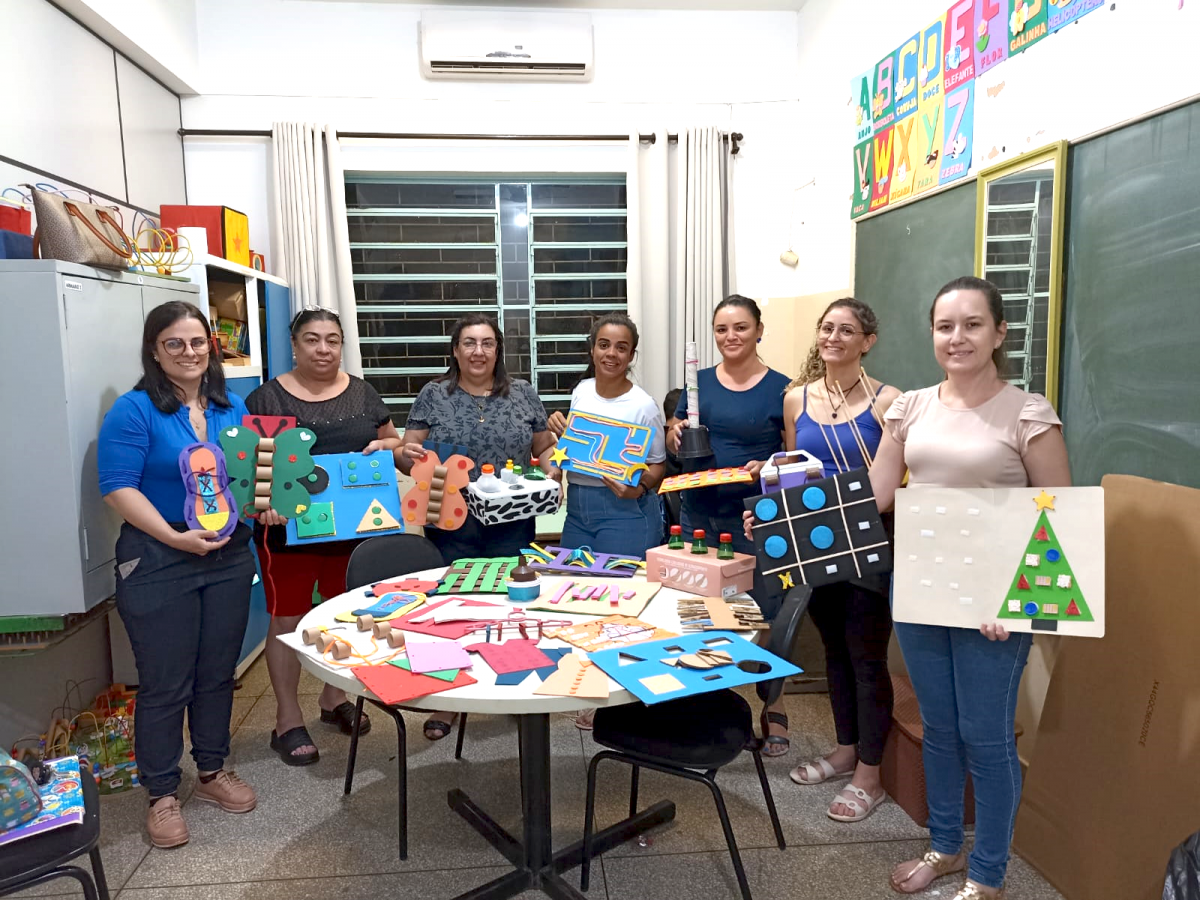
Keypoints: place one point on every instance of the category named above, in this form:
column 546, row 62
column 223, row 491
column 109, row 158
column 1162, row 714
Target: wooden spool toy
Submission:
column 341, row 649
column 324, row 640
column 395, row 639
column 311, row 635
column 380, row 630
column 365, row 622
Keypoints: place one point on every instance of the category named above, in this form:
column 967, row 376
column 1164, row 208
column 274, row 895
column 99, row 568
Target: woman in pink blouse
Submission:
column 973, row 430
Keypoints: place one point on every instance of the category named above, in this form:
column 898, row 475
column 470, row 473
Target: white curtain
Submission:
column 310, row 226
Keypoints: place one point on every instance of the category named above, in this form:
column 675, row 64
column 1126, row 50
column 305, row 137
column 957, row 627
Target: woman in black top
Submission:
column 347, row 416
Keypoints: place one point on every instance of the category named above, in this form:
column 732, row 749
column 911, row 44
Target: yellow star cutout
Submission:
column 559, row 455
column 785, row 580
column 1044, row 501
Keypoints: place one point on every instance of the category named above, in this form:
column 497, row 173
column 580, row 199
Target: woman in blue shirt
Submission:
column 741, row 404
column 183, row 595
column 828, row 408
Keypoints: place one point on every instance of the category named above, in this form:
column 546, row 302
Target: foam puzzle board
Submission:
column 604, row 597
column 599, row 446
column 437, row 496
column 527, row 496
column 208, row 505
column 269, row 461
column 611, row 631
column 352, row 496
column 640, row 669
column 1031, row 559
column 574, row 562
column 707, row 478
column 824, row 532
column 477, row 576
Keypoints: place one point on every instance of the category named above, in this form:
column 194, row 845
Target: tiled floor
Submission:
column 306, row 840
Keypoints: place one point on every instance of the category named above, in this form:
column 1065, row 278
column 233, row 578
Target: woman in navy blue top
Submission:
column 183, row 595
column 829, row 408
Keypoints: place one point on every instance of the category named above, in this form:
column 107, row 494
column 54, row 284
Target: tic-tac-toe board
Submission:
column 353, row 496
column 652, row 672
column 819, row 533
column 598, row 446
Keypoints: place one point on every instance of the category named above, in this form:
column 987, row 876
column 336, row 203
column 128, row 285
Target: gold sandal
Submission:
column 971, row 891
column 942, row 864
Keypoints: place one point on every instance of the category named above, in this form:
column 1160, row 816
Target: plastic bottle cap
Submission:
column 488, row 469
column 676, row 529
column 726, row 537
column 535, row 462
column 508, row 464
column 698, row 534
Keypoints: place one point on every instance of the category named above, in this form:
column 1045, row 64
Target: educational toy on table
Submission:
column 269, row 460
column 477, row 576
column 1030, row 559
column 353, row 495
column 512, row 497
column 820, row 533
column 611, row 631
column 575, row 562
column 576, row 677
column 790, row 468
column 707, row 478
column 596, row 596
column 700, row 573
column 388, row 606
column 437, row 496
column 685, row 666
column 599, row 446
column 720, row 614
column 209, row 504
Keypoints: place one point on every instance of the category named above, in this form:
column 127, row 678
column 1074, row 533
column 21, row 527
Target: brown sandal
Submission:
column 942, row 864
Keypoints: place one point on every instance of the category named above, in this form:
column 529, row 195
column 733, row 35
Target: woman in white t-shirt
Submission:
column 602, row 513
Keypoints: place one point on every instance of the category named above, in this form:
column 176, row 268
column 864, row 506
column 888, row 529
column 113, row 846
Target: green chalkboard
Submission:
column 1131, row 322
column 901, row 258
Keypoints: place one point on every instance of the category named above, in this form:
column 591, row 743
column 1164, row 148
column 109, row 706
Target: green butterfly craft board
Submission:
column 286, row 450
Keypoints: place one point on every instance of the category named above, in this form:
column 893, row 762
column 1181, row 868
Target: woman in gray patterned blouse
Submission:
column 497, row 418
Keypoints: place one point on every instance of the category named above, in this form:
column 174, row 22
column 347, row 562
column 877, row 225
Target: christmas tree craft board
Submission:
column 595, row 596
column 598, row 446
column 352, row 495
column 1029, row 559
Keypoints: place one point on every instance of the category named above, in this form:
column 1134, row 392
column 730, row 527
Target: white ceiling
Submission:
column 748, row 5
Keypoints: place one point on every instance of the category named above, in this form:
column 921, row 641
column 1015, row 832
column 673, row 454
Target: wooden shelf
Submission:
column 242, row 372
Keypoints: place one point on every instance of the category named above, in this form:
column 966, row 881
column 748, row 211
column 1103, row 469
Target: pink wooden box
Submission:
column 704, row 575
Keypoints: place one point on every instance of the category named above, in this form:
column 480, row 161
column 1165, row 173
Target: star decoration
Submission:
column 558, row 456
column 785, row 580
column 1044, row 501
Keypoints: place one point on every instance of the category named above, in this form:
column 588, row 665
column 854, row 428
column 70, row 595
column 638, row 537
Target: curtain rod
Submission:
column 733, row 137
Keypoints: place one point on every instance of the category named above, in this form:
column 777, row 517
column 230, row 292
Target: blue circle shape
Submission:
column 775, row 546
column 813, row 498
column 1052, row 555
column 766, row 509
column 821, row 537
column 1031, row 608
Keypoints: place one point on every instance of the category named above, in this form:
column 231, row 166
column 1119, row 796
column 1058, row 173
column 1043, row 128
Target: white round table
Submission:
column 536, row 865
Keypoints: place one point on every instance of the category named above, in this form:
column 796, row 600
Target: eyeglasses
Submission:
column 176, row 346
column 845, row 331
column 487, row 345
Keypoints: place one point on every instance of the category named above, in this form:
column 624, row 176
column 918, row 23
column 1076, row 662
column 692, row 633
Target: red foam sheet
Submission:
column 393, row 685
column 512, row 656
column 452, row 630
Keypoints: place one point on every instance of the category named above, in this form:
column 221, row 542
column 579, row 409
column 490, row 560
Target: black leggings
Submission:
column 856, row 626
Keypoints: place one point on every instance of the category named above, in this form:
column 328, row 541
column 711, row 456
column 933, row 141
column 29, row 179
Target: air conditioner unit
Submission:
column 483, row 44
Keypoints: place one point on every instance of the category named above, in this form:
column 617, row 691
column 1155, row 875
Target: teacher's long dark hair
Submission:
column 154, row 381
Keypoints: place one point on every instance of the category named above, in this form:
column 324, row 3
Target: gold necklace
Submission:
column 480, row 402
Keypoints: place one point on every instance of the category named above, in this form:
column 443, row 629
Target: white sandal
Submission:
column 861, row 807
column 817, row 771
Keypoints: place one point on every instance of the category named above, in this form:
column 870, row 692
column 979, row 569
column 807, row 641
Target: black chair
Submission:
column 44, row 857
column 703, row 733
column 374, row 560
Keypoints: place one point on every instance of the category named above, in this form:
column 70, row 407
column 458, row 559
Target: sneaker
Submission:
column 165, row 825
column 227, row 791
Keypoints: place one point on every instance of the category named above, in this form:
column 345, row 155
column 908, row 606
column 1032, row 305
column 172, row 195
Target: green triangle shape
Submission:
column 444, row 675
column 1045, row 568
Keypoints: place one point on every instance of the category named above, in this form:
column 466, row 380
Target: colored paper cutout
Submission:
column 390, row 606
column 437, row 656
column 436, row 497
column 599, row 604
column 377, row 519
column 477, row 576
column 612, row 631
column 413, row 585
column 599, row 446
column 553, row 653
column 662, row 684
column 403, row 663
column 573, row 562
column 394, row 685
column 576, row 677
column 209, row 505
column 450, row 630
column 512, row 656
column 1044, row 501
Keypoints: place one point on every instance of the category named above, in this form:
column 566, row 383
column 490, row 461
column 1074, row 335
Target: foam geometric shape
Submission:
column 376, row 519
column 316, row 522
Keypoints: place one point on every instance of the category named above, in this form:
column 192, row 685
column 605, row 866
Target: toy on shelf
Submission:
column 1026, row 558
column 436, row 498
column 209, row 505
column 575, row 562
column 352, row 496
column 477, row 576
column 523, row 584
column 791, row 468
column 690, row 665
column 700, row 569
column 228, row 230
column 693, row 439
column 599, row 446
column 513, row 495
column 707, row 478
column 820, row 533
column 268, row 459
column 720, row 614
column 597, row 597
column 611, row 631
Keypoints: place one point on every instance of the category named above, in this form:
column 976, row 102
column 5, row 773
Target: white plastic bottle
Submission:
column 488, row 481
column 508, row 475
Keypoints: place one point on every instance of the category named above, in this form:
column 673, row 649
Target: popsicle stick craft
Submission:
column 596, row 597
column 352, row 496
column 690, row 665
column 1027, row 558
column 820, row 533
column 390, row 606
column 707, row 478
column 576, row 677
column 599, row 446
column 720, row 614
column 209, row 505
column 611, row 631
column 477, row 576
column 437, row 496
column 581, row 560
column 270, row 465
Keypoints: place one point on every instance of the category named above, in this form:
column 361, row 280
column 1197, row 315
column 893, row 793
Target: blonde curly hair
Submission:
column 814, row 367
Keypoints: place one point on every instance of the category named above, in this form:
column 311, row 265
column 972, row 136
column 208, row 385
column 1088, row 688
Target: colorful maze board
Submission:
column 477, row 576
column 353, row 496
column 819, row 533
column 598, row 446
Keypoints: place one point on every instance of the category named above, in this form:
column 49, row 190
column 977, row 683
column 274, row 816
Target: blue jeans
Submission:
column 967, row 686
column 599, row 519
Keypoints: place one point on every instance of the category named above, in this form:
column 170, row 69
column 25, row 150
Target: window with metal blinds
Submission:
column 544, row 257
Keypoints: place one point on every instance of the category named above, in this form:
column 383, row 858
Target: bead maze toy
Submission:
column 574, row 562
column 353, row 495
column 790, row 468
column 209, row 505
column 599, row 446
column 700, row 569
column 436, row 497
column 690, row 665
column 268, row 459
column 707, row 478
column 513, row 495
column 820, row 533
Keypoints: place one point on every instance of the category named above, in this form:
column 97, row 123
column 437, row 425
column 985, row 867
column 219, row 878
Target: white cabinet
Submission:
column 73, row 346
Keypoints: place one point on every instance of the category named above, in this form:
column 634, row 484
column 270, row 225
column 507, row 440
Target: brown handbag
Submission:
column 78, row 232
